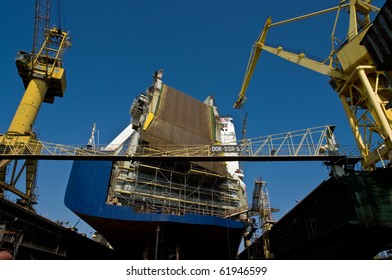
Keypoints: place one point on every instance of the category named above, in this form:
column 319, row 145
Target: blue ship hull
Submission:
column 136, row 235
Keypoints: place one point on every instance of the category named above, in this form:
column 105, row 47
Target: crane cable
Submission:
column 59, row 14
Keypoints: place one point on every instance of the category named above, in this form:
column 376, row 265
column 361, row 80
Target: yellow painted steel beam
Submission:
column 254, row 57
column 375, row 104
column 378, row 112
column 303, row 61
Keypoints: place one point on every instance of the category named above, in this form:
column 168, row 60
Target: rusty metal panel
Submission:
column 181, row 120
column 166, row 133
column 185, row 112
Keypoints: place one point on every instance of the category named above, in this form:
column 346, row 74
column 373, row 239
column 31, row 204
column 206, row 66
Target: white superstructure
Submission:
column 228, row 137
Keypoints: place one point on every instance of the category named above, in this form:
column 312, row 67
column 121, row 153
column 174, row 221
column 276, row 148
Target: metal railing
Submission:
column 308, row 144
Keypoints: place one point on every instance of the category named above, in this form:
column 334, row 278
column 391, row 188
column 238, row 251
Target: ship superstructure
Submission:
column 186, row 207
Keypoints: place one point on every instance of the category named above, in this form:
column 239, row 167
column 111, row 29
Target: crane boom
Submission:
column 303, row 61
column 253, row 59
column 41, row 23
column 259, row 46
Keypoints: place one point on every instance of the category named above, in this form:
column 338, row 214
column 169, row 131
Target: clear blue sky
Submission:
column 203, row 48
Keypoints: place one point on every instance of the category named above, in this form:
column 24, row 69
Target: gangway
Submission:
column 311, row 144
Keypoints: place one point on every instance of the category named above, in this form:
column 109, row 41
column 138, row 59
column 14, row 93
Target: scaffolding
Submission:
column 174, row 188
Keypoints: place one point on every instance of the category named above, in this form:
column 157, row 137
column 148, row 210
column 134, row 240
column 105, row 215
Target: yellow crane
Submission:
column 361, row 88
column 44, row 79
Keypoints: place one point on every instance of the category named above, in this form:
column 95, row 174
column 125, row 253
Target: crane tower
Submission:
column 43, row 77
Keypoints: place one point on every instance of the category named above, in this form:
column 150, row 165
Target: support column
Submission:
column 27, row 111
column 378, row 111
column 354, row 126
column 157, row 242
column 375, row 102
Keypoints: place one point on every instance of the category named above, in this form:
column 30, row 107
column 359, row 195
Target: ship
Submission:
column 165, row 209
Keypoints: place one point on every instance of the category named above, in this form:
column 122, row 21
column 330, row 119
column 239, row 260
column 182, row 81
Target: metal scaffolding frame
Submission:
column 157, row 189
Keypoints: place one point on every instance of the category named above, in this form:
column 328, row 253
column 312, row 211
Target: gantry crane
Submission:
column 43, row 77
column 361, row 88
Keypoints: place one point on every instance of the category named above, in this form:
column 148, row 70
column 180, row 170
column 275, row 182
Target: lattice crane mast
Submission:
column 43, row 77
column 261, row 205
column 362, row 90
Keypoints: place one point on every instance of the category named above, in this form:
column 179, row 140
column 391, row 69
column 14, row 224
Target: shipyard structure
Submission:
column 164, row 209
column 179, row 206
